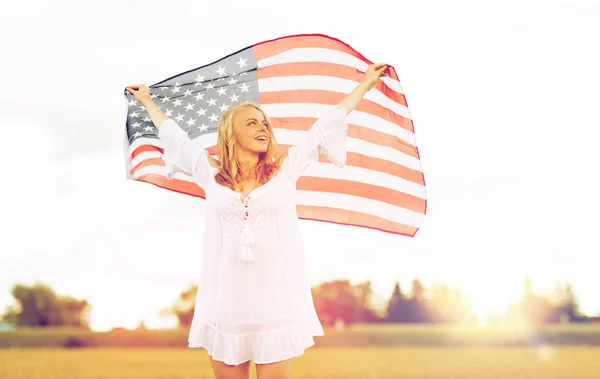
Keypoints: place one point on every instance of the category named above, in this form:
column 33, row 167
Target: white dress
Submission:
column 254, row 297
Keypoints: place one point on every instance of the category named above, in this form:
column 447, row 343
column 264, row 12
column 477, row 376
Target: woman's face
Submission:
column 251, row 131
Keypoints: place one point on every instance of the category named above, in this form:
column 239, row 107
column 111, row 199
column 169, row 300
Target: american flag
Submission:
column 295, row 79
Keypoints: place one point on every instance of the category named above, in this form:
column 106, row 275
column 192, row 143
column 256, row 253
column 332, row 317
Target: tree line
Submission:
column 338, row 302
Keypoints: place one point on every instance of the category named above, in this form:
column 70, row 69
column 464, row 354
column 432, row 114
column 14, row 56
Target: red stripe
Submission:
column 333, row 98
column 177, row 185
column 311, row 183
column 266, row 49
column 145, row 148
column 344, row 217
column 367, row 191
column 272, row 47
column 326, row 69
column 352, row 159
column 374, row 164
column 332, row 215
column 354, row 131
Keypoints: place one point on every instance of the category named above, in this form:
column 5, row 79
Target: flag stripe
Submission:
column 364, row 190
column 177, row 185
column 344, row 217
column 333, row 98
column 307, row 212
column 359, row 118
column 266, row 49
column 327, row 56
column 354, row 132
column 359, row 204
column 303, row 70
column 286, row 136
column 363, row 163
column 350, row 175
column 359, row 199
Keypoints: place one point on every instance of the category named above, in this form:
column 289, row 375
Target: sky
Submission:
column 504, row 98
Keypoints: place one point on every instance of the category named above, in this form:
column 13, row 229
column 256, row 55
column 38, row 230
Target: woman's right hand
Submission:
column 141, row 93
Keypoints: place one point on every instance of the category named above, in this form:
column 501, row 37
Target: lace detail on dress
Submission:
column 244, row 221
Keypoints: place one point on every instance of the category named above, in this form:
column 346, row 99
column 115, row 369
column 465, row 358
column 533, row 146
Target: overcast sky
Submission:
column 504, row 97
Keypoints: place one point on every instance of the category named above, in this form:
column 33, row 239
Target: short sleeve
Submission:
column 181, row 154
column 326, row 136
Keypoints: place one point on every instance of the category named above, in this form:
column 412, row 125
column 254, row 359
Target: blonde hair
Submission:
column 230, row 170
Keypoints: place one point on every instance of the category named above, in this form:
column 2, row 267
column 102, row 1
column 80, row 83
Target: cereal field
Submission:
column 323, row 363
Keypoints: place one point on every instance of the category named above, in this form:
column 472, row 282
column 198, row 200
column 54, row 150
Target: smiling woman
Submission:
column 254, row 299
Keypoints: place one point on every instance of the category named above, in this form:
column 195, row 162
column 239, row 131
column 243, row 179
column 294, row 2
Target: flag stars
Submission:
column 175, row 89
column 233, row 98
column 199, row 79
column 168, row 112
column 138, row 134
column 147, row 119
column 210, row 86
column 242, row 63
column 179, row 117
column 134, row 114
column 221, row 71
column 223, row 108
column 245, row 88
column 166, row 98
column 135, row 125
column 153, row 96
column 132, row 102
column 189, row 107
column 177, row 103
column 212, row 101
column 203, row 127
column 222, row 91
column 199, row 96
column 188, row 92
column 148, row 128
column 232, row 81
column 190, row 122
column 201, row 112
column 214, row 118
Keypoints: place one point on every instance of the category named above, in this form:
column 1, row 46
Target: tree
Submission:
column 39, row 305
column 337, row 300
column 184, row 306
column 450, row 305
column 568, row 306
column 397, row 305
column 363, row 292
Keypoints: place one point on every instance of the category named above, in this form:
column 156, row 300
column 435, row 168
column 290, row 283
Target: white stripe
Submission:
column 161, row 170
column 291, row 137
column 355, row 145
column 366, row 176
column 328, row 171
column 143, row 156
column 319, row 54
column 360, row 204
column 145, row 141
column 328, row 83
column 362, row 119
column 329, row 199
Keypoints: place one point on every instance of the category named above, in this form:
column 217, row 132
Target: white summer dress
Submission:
column 254, row 297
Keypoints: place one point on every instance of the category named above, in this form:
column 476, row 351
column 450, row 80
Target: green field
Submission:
column 323, row 363
column 363, row 351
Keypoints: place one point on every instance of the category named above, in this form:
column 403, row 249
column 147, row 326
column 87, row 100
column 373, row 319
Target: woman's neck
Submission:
column 248, row 161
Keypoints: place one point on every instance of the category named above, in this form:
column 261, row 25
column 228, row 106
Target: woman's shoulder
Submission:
column 213, row 162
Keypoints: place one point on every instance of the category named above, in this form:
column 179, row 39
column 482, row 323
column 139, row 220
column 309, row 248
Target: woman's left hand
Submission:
column 374, row 72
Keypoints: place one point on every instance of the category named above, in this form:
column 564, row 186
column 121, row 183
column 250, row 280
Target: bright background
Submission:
column 504, row 97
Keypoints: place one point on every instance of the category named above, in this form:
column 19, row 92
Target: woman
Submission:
column 254, row 300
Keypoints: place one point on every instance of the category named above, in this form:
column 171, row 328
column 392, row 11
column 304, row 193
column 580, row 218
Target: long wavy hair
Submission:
column 231, row 172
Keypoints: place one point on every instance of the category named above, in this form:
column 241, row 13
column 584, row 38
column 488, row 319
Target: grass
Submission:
column 356, row 336
column 324, row 363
